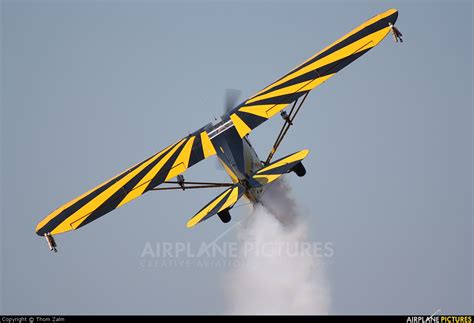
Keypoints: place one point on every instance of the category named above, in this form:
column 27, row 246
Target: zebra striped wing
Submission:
column 130, row 184
column 312, row 73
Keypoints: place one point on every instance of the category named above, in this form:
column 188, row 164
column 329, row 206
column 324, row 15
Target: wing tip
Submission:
column 303, row 153
column 39, row 230
column 392, row 12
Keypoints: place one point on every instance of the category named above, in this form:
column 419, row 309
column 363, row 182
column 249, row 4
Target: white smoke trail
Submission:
column 274, row 275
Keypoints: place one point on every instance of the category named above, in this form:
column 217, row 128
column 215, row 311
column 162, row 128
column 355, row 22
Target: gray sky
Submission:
column 89, row 88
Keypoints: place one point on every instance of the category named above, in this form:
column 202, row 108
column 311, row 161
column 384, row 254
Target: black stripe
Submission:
column 283, row 169
column 163, row 172
column 113, row 201
column 109, row 205
column 63, row 215
column 251, row 120
column 230, row 150
column 277, row 161
column 197, row 153
column 280, row 99
column 325, row 70
column 217, row 207
column 376, row 26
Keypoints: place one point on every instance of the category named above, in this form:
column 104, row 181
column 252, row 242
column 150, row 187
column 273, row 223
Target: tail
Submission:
column 226, row 200
column 220, row 206
column 282, row 166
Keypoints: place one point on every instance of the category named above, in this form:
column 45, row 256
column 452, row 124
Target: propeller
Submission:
column 231, row 99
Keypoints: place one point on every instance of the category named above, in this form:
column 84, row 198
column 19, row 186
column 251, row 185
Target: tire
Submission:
column 299, row 169
column 224, row 216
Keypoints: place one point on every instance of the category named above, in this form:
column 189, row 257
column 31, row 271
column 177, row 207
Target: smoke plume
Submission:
column 276, row 272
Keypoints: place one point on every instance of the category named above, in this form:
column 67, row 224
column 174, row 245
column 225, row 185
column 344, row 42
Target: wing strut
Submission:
column 288, row 123
column 182, row 185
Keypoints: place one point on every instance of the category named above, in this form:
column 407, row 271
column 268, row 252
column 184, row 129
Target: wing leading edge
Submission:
column 311, row 73
column 130, row 184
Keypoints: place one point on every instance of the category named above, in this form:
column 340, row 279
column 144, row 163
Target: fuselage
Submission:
column 237, row 156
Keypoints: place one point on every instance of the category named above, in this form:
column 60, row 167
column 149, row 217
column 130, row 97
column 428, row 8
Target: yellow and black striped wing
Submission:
column 225, row 200
column 130, row 184
column 310, row 74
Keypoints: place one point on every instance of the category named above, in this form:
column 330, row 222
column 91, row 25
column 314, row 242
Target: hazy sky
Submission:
column 89, row 88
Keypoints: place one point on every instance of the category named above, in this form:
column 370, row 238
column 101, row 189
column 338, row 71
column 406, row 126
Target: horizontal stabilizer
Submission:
column 279, row 167
column 224, row 201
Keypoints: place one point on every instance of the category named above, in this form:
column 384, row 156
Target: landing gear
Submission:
column 299, row 169
column 224, row 215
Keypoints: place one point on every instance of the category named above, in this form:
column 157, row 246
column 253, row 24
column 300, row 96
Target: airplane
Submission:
column 228, row 140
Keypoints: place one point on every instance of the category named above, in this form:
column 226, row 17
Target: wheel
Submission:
column 224, row 216
column 299, row 169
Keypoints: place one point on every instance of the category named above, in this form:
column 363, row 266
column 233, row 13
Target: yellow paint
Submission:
column 352, row 48
column 176, row 170
column 78, row 222
column 295, row 88
column 207, row 146
column 182, row 162
column 87, row 209
column 232, row 175
column 233, row 197
column 292, row 158
column 271, row 110
column 92, row 205
column 275, row 109
column 205, row 211
column 355, row 47
column 241, row 127
column 283, row 91
column 264, row 110
column 141, row 186
column 208, row 149
column 68, row 204
column 48, row 218
column 259, row 110
column 320, row 80
column 266, row 179
column 375, row 38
